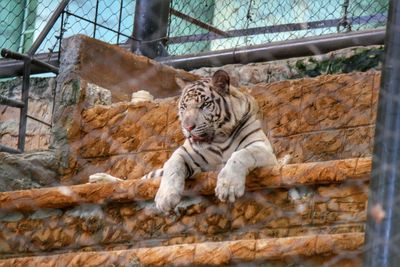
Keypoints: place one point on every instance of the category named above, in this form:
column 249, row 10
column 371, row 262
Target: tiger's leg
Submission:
column 231, row 179
column 176, row 170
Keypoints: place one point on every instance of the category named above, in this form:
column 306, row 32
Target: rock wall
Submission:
column 41, row 96
column 326, row 123
column 38, row 135
column 324, row 118
column 123, row 216
column 346, row 60
column 314, row 250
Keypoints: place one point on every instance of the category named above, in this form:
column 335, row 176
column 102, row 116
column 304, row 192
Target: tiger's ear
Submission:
column 220, row 81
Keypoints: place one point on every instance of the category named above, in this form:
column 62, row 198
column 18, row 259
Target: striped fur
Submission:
column 222, row 133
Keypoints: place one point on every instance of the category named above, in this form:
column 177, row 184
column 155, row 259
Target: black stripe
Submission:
column 237, row 131
column 162, row 171
column 227, row 111
column 215, row 151
column 190, row 156
column 247, row 135
column 245, row 118
column 197, row 152
column 152, row 174
column 189, row 169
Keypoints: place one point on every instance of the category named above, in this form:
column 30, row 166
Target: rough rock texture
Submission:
column 326, row 124
column 328, row 172
column 40, row 106
column 324, row 118
column 38, row 137
column 39, row 166
column 28, row 170
column 116, row 216
column 118, row 70
column 80, row 67
column 336, row 62
column 311, row 250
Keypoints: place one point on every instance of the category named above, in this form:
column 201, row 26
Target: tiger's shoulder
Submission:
column 245, row 96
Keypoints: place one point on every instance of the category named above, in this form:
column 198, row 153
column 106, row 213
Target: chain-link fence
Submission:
column 21, row 23
column 311, row 212
column 194, row 26
column 235, row 24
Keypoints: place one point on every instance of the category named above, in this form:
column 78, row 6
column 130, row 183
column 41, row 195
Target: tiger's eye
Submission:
column 206, row 105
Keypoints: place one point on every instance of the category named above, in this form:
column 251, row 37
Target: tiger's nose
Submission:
column 189, row 127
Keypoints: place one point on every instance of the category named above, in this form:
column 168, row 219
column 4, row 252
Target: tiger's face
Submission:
column 203, row 108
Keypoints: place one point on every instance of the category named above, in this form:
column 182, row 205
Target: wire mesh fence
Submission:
column 194, row 26
column 314, row 206
column 20, row 24
column 245, row 23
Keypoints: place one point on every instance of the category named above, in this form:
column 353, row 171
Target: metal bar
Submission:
column 383, row 231
column 11, row 102
column 276, row 50
column 24, row 110
column 11, row 68
column 150, row 27
column 36, row 119
column 99, row 25
column 275, row 29
column 344, row 22
column 15, row 55
column 9, row 150
column 95, row 18
column 120, row 19
column 61, row 35
column 199, row 23
column 49, row 25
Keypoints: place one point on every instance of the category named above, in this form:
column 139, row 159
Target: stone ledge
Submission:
column 118, row 70
column 135, row 190
column 208, row 253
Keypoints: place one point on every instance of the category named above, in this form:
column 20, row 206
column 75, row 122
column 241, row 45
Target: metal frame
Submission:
column 383, row 232
column 150, row 28
column 278, row 50
column 28, row 60
column 199, row 23
column 331, row 23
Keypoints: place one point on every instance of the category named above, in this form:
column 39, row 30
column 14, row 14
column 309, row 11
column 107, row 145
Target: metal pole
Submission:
column 24, row 111
column 15, row 55
column 49, row 25
column 95, row 18
column 274, row 51
column 150, row 27
column 121, row 6
column 382, row 246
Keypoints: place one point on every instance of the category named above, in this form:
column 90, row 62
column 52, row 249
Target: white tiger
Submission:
column 222, row 133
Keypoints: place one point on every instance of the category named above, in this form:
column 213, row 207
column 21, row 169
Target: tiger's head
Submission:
column 205, row 109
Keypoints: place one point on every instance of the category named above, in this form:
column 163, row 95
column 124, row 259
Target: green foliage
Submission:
column 362, row 60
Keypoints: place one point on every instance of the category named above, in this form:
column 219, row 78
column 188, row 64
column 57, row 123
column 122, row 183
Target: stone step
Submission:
column 291, row 175
column 313, row 249
column 122, row 215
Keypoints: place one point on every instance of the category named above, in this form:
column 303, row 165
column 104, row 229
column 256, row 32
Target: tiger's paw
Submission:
column 103, row 177
column 167, row 198
column 230, row 185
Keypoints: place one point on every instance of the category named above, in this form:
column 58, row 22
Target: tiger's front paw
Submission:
column 167, row 198
column 230, row 185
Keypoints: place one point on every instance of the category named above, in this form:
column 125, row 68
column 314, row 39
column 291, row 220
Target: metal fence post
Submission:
column 150, row 27
column 24, row 110
column 382, row 247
